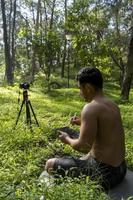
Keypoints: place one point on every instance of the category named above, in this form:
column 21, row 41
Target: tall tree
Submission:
column 37, row 30
column 65, row 42
column 9, row 46
column 128, row 72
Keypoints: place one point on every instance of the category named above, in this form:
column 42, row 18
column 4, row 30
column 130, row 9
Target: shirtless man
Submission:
column 101, row 136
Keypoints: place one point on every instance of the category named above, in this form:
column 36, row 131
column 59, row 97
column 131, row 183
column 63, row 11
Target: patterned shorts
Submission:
column 107, row 175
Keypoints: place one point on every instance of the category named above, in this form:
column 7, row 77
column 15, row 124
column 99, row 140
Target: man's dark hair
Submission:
column 90, row 75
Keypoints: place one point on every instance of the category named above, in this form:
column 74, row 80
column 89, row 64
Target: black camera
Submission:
column 24, row 86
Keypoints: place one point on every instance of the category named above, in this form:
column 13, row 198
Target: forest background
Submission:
column 45, row 43
column 56, row 38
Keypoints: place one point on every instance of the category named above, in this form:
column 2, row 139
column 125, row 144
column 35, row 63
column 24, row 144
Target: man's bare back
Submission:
column 109, row 145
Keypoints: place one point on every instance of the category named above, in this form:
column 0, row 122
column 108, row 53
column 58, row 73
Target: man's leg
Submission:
column 69, row 166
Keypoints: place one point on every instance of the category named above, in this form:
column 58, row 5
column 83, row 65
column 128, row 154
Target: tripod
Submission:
column 28, row 105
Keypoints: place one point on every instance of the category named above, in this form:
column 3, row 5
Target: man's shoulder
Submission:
column 101, row 105
column 91, row 107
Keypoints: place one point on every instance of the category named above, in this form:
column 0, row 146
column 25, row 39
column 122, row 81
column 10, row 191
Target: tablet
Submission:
column 71, row 132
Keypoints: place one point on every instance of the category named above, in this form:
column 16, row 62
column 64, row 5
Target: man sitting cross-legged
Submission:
column 101, row 136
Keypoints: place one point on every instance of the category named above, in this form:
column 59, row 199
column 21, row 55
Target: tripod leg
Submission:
column 19, row 113
column 28, row 117
column 33, row 113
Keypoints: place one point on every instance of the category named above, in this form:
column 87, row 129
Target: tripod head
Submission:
column 25, row 86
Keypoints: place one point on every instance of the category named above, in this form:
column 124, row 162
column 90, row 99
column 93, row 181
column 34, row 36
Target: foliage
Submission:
column 87, row 24
column 100, row 35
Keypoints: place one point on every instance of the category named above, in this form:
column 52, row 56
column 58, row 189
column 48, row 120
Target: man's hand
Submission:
column 74, row 143
column 75, row 120
column 64, row 137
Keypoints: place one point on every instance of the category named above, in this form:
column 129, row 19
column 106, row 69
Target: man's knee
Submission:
column 49, row 164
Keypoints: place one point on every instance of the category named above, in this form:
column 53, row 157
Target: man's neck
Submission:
column 97, row 95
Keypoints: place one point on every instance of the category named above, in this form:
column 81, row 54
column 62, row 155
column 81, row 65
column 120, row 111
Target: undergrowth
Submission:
column 24, row 150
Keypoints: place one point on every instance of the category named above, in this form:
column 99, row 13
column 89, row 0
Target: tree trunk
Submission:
column 128, row 72
column 46, row 17
column 34, row 57
column 50, row 44
column 8, row 58
column 120, row 64
column 65, row 43
column 52, row 15
column 13, row 35
column 64, row 59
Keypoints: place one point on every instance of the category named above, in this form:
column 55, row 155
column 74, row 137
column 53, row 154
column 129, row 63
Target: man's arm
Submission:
column 88, row 131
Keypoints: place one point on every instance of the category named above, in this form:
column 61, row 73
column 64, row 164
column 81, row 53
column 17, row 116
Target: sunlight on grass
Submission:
column 23, row 151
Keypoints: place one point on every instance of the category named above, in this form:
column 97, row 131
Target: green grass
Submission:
column 23, row 152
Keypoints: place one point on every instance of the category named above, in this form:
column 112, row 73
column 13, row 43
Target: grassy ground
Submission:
column 23, row 152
